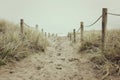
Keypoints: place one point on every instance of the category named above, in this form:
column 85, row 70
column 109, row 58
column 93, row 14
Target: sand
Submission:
column 61, row 61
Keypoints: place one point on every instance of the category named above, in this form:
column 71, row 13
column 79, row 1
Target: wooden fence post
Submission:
column 42, row 30
column 45, row 34
column 36, row 26
column 74, row 35
column 104, row 25
column 70, row 37
column 21, row 25
column 82, row 30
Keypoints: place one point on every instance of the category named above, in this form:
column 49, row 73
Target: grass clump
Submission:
column 107, row 64
column 91, row 41
column 16, row 46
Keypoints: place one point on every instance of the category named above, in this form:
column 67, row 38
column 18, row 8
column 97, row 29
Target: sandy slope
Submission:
column 60, row 62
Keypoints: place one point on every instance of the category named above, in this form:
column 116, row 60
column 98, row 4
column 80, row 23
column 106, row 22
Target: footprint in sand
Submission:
column 73, row 59
column 59, row 66
column 58, row 54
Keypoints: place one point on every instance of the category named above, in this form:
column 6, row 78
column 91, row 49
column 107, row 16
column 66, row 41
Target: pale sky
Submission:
column 60, row 16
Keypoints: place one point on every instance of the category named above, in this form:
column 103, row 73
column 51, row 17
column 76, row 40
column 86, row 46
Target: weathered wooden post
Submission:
column 42, row 30
column 82, row 30
column 36, row 27
column 74, row 35
column 70, row 37
column 104, row 26
column 45, row 34
column 21, row 25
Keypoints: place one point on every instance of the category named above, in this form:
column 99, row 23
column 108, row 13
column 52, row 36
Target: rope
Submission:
column 26, row 24
column 94, row 22
column 99, row 19
column 113, row 14
column 78, row 29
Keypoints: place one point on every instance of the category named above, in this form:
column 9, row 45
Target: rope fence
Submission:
column 113, row 14
column 98, row 20
column 78, row 29
column 26, row 24
column 23, row 24
column 103, row 17
column 94, row 22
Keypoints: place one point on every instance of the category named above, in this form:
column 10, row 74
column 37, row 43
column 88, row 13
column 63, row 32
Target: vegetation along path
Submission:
column 61, row 61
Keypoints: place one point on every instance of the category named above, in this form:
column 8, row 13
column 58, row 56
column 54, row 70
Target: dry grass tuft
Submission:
column 14, row 46
column 107, row 64
column 91, row 42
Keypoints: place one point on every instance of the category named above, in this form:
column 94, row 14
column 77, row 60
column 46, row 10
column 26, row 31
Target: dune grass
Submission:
column 16, row 46
column 107, row 64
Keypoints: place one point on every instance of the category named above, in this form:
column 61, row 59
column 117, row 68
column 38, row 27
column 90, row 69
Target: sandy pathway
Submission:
column 60, row 62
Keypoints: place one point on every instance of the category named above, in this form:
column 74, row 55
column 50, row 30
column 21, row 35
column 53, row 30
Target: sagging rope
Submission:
column 94, row 22
column 26, row 24
column 113, row 14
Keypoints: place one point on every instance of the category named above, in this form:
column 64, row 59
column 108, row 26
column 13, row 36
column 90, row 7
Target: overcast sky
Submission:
column 59, row 16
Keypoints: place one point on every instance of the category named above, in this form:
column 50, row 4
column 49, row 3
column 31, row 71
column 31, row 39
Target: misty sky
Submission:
column 60, row 16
